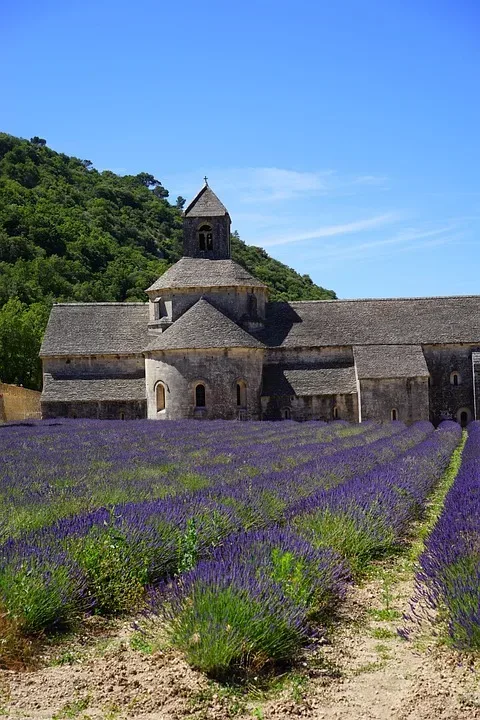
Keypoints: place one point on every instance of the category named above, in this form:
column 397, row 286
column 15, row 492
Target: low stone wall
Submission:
column 18, row 403
column 101, row 410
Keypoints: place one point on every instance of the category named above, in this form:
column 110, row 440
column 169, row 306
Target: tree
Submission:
column 38, row 141
column 180, row 203
column 21, row 331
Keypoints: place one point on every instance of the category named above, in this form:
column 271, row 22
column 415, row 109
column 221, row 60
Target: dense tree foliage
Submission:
column 71, row 233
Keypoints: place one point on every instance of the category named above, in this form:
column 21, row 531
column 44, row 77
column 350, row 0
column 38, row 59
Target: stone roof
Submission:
column 91, row 389
column 203, row 326
column 202, row 273
column 96, row 329
column 389, row 361
column 308, row 380
column 402, row 321
column 205, row 204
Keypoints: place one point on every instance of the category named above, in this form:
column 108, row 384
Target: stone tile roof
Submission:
column 402, row 321
column 389, row 361
column 308, row 380
column 91, row 389
column 203, row 326
column 202, row 273
column 96, row 329
column 205, row 204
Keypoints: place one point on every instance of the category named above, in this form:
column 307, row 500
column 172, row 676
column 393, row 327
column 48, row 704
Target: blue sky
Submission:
column 342, row 136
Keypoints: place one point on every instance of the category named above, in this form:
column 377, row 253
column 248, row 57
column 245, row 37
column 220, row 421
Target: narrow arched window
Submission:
column 122, row 416
column 200, row 395
column 394, row 414
column 205, row 237
column 455, row 378
column 252, row 306
column 335, row 413
column 241, row 393
column 160, row 397
column 287, row 414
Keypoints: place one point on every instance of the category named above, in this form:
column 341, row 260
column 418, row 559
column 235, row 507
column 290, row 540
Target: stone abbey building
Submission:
column 208, row 344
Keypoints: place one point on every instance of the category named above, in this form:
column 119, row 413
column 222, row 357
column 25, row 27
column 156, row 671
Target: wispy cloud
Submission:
column 410, row 239
column 260, row 185
column 332, row 230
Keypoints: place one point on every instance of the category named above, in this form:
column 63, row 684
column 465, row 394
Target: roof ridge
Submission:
column 105, row 302
column 383, row 299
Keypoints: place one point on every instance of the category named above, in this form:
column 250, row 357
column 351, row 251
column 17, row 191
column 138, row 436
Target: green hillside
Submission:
column 71, row 233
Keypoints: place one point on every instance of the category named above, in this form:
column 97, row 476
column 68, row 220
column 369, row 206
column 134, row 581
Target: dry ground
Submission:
column 363, row 671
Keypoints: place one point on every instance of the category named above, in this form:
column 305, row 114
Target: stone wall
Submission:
column 327, row 356
column 311, row 407
column 408, row 396
column 234, row 302
column 131, row 366
column 104, row 410
column 447, row 400
column 18, row 403
column 221, row 237
column 220, row 370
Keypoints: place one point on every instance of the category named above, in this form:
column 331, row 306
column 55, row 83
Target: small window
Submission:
column 241, row 394
column 67, row 361
column 205, row 238
column 160, row 397
column 122, row 416
column 394, row 414
column 455, row 378
column 287, row 414
column 200, row 395
column 335, row 413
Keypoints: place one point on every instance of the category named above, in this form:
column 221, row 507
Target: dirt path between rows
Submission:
column 365, row 671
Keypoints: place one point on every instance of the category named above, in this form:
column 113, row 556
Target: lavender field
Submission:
column 239, row 539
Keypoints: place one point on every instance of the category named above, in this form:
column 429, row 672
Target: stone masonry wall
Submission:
column 219, row 370
column 448, row 400
column 311, row 407
column 408, row 396
column 104, row 410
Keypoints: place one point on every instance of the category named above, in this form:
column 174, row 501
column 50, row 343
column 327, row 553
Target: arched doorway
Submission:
column 463, row 416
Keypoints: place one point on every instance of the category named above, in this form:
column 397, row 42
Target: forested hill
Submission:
column 71, row 233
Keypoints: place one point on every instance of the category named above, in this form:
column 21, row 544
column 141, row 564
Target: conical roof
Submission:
column 203, row 273
column 205, row 204
column 202, row 327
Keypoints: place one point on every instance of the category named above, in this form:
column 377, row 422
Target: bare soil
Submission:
column 363, row 670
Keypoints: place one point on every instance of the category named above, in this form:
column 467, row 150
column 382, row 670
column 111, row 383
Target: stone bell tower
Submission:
column 206, row 227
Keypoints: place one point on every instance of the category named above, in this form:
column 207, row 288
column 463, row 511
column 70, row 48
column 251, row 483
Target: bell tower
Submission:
column 206, row 227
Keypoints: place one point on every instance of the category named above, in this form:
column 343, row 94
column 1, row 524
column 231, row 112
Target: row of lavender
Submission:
column 106, row 557
column 251, row 603
column 449, row 576
column 54, row 469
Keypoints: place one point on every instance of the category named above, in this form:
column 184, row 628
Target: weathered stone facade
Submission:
column 208, row 344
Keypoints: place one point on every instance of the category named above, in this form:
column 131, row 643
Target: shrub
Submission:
column 42, row 589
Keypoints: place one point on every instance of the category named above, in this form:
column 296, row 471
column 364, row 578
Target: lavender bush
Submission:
column 449, row 575
column 248, row 605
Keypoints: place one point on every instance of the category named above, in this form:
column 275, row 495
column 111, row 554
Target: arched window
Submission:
column 205, row 237
column 287, row 414
column 394, row 414
column 252, row 305
column 160, row 397
column 122, row 416
column 455, row 378
column 200, row 395
column 335, row 412
column 241, row 394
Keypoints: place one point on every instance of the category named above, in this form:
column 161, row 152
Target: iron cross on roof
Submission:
column 206, row 180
